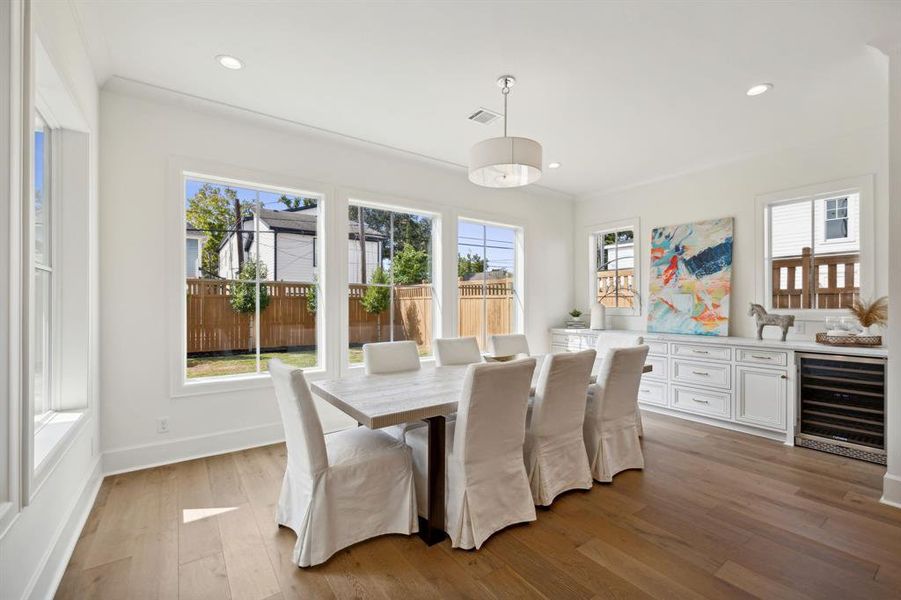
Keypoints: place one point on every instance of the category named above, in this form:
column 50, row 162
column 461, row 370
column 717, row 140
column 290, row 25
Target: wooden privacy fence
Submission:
column 213, row 326
column 607, row 290
column 806, row 281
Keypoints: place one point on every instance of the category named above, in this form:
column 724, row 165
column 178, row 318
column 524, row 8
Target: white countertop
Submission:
column 796, row 345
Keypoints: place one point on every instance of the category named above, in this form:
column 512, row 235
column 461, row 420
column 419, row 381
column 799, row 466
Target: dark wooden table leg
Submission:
column 431, row 530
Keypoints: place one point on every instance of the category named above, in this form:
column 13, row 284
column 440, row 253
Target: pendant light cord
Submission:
column 505, row 91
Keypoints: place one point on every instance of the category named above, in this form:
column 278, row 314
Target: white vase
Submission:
column 598, row 316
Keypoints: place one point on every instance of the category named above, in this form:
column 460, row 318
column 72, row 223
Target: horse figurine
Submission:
column 764, row 319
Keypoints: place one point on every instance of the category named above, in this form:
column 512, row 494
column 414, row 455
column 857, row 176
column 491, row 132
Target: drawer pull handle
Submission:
column 761, row 357
column 645, row 391
column 783, row 377
column 704, row 373
column 700, row 351
column 701, row 401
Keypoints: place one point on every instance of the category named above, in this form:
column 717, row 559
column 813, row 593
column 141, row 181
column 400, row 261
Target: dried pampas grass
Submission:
column 871, row 313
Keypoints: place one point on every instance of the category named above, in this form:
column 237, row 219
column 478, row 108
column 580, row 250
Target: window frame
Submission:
column 381, row 202
column 592, row 232
column 863, row 186
column 519, row 261
column 847, row 219
column 180, row 170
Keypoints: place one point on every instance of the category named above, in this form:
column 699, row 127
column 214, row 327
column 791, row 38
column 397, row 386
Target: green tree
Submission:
column 244, row 291
column 296, row 202
column 210, row 211
column 313, row 296
column 469, row 265
column 377, row 298
column 411, row 266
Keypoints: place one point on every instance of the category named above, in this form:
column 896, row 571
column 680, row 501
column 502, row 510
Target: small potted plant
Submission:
column 870, row 314
column 576, row 321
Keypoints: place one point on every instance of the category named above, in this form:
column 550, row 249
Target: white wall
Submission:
column 731, row 191
column 142, row 129
column 35, row 548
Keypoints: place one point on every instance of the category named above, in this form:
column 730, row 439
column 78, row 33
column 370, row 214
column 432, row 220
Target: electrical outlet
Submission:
column 162, row 425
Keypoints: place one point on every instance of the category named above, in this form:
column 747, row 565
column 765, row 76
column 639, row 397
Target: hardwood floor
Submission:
column 715, row 514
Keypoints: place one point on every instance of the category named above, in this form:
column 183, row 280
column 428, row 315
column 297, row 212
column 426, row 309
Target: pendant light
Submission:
column 505, row 162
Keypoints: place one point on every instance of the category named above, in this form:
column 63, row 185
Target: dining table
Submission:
column 428, row 394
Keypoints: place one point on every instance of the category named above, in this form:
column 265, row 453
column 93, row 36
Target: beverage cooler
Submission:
column 841, row 405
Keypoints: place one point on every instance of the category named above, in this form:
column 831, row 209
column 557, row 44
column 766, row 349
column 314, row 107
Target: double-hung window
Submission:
column 813, row 249
column 488, row 294
column 614, row 270
column 43, row 283
column 389, row 274
column 251, row 277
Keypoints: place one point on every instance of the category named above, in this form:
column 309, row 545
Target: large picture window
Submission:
column 251, row 277
column 813, row 252
column 389, row 266
column 486, row 271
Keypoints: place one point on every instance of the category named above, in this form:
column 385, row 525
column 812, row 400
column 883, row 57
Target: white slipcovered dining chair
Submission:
column 353, row 485
column 390, row 357
column 457, row 351
column 508, row 344
column 610, row 430
column 605, row 342
column 383, row 358
column 554, row 450
column 487, row 485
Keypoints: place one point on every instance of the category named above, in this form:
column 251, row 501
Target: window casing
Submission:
column 254, row 294
column 488, row 259
column 390, row 286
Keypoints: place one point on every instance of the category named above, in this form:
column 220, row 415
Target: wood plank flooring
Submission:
column 715, row 514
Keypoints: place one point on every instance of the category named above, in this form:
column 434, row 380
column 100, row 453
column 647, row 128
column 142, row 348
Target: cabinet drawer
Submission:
column 657, row 347
column 659, row 365
column 761, row 357
column 652, row 392
column 707, row 402
column 568, row 341
column 702, row 373
column 588, row 342
column 705, row 352
column 558, row 349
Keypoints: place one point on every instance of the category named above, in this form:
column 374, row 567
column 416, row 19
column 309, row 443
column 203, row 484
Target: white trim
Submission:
column 48, row 576
column 589, row 232
column 891, row 490
column 719, row 423
column 862, row 185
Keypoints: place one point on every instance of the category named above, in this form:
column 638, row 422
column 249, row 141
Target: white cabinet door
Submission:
column 762, row 397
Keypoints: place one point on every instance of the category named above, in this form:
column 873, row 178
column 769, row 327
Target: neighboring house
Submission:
column 287, row 246
column 619, row 256
column 835, row 228
column 194, row 240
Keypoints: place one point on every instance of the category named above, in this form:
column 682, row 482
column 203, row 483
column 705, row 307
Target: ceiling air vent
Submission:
column 484, row 116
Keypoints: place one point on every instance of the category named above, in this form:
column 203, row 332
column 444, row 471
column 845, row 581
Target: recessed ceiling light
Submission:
column 760, row 88
column 230, row 62
column 553, row 165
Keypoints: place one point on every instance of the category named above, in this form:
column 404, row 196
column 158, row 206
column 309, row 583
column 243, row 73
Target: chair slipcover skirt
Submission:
column 367, row 492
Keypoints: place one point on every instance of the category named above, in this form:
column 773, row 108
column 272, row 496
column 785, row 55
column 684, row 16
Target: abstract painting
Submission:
column 691, row 278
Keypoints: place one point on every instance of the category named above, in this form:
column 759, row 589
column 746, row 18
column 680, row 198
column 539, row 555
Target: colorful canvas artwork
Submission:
column 691, row 278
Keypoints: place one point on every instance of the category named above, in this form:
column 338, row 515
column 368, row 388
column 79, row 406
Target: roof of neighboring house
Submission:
column 302, row 220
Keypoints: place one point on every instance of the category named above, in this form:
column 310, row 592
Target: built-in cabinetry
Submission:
column 734, row 382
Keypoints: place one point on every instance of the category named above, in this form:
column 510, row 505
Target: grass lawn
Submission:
column 239, row 364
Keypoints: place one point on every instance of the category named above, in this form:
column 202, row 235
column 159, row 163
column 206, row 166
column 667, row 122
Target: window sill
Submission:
column 234, row 383
column 52, row 435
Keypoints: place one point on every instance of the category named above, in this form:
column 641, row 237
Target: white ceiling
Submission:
column 618, row 92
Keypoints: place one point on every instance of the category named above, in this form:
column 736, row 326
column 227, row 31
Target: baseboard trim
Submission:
column 56, row 559
column 133, row 458
column 750, row 430
column 891, row 490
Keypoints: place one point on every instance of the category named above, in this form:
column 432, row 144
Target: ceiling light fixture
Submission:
column 760, row 88
column 505, row 162
column 230, row 62
column 553, row 165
